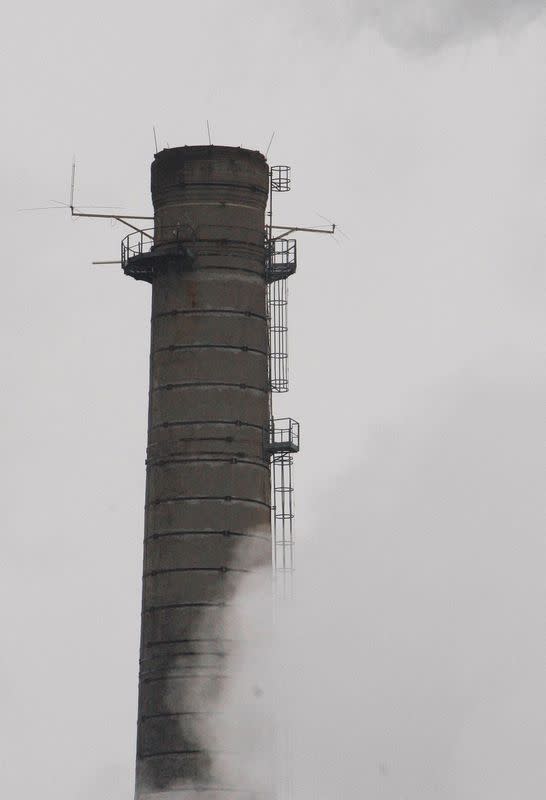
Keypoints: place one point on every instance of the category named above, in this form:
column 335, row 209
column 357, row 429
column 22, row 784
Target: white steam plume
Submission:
column 413, row 662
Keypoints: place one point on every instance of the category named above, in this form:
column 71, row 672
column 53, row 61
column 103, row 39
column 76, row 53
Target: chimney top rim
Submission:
column 207, row 150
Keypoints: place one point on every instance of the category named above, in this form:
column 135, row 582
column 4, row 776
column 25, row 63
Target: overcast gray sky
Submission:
column 422, row 25
column 417, row 368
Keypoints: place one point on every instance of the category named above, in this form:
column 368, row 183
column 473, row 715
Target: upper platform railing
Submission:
column 136, row 244
column 280, row 259
column 284, row 436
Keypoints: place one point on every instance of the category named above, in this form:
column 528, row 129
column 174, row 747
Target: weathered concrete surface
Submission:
column 208, row 482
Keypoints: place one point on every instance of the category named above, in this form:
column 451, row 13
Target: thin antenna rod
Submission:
column 61, row 207
column 43, row 208
column 72, row 183
column 119, row 217
column 336, row 227
column 122, row 219
column 208, row 131
column 288, row 229
column 270, row 143
column 155, row 139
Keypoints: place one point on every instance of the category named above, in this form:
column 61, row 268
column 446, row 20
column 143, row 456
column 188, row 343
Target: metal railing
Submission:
column 284, row 436
column 136, row 244
column 142, row 242
column 280, row 259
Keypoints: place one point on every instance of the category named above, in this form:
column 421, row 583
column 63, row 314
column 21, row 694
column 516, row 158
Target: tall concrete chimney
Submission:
column 207, row 517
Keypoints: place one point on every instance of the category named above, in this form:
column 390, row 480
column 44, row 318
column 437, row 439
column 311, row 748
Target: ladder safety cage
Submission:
column 280, row 263
column 283, row 512
column 283, row 436
column 280, row 178
column 283, row 442
column 277, row 326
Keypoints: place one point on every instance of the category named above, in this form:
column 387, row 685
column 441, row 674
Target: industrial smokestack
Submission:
column 207, row 518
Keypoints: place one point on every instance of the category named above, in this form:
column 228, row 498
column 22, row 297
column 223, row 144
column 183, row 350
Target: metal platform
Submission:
column 281, row 259
column 141, row 258
column 283, row 436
